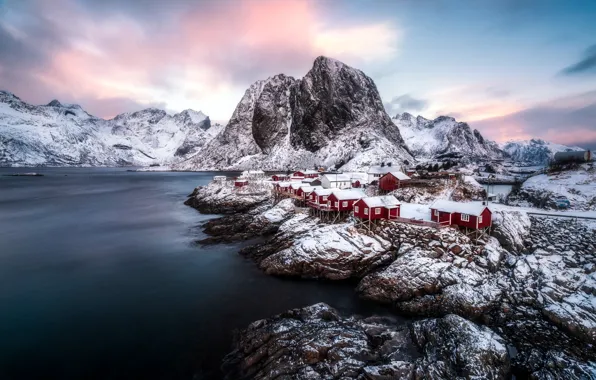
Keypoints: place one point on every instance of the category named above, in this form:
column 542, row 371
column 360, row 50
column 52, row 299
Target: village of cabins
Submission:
column 334, row 196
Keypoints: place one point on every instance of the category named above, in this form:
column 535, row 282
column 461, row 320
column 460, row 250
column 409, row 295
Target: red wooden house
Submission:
column 319, row 197
column 305, row 174
column 356, row 184
column 374, row 208
column 470, row 215
column 392, row 180
column 283, row 187
column 304, row 191
column 240, row 182
column 294, row 186
column 280, row 177
column 343, row 200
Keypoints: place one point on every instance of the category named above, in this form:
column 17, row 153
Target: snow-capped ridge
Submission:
column 444, row 136
column 61, row 134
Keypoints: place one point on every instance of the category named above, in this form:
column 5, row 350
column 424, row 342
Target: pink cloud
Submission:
column 204, row 58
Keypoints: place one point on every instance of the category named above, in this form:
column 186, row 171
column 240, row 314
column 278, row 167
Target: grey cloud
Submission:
column 545, row 121
column 586, row 65
column 405, row 103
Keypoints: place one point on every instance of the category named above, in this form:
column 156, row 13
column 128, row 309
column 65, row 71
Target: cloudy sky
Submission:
column 513, row 69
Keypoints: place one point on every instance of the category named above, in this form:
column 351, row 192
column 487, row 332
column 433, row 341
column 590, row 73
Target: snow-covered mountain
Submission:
column 534, row 151
column 333, row 116
column 59, row 134
column 444, row 137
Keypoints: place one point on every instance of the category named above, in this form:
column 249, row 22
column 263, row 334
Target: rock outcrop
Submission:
column 333, row 116
column 315, row 342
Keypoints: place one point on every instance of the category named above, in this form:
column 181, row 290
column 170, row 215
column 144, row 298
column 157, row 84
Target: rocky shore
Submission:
column 532, row 284
column 315, row 342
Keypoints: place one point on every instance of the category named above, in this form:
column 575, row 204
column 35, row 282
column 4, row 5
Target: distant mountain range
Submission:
column 65, row 135
column 535, row 151
column 333, row 116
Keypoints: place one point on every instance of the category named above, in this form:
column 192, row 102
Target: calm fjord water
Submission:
column 100, row 279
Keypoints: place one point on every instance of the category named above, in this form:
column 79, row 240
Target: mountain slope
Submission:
column 444, row 137
column 535, row 151
column 63, row 135
column 333, row 116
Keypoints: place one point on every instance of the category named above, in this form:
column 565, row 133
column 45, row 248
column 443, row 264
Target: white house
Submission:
column 338, row 181
column 376, row 172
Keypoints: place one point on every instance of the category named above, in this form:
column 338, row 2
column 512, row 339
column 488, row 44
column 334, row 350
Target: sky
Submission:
column 513, row 69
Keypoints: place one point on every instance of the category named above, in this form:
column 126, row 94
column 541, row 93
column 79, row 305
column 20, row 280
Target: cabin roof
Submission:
column 343, row 195
column 399, row 175
column 337, row 177
column 322, row 191
column 470, row 208
column 388, row 201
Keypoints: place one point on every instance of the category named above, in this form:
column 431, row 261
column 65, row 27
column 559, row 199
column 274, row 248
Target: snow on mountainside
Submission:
column 444, row 137
column 333, row 116
column 65, row 135
column 534, row 151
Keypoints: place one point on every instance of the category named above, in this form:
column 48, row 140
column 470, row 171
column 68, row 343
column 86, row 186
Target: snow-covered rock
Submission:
column 511, row 228
column 534, row 151
column 65, row 135
column 303, row 248
column 444, row 137
column 578, row 185
column 222, row 197
column 315, row 342
column 333, row 116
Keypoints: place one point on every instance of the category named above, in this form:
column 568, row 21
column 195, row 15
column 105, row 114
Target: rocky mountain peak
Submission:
column 54, row 103
column 329, row 117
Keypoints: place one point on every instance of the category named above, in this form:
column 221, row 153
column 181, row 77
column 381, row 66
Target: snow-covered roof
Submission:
column 322, row 191
column 388, row 201
column 281, row 175
column 310, row 172
column 284, row 184
column 309, row 180
column 399, row 175
column 296, row 185
column 470, row 208
column 348, row 194
column 380, row 169
column 337, row 177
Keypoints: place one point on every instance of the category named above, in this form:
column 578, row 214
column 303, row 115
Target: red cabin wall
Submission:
column 350, row 206
column 388, row 182
column 442, row 217
column 486, row 219
column 298, row 174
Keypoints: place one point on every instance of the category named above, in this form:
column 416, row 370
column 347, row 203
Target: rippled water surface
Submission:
column 100, row 279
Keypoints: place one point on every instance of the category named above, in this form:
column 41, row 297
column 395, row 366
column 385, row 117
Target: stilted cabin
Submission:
column 374, row 208
column 283, row 187
column 294, row 186
column 468, row 215
column 410, row 172
column 319, row 196
column 304, row 191
column 392, row 180
column 280, row 177
column 336, row 181
column 241, row 182
column 343, row 200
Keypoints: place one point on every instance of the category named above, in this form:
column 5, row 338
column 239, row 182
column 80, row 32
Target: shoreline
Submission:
column 287, row 251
